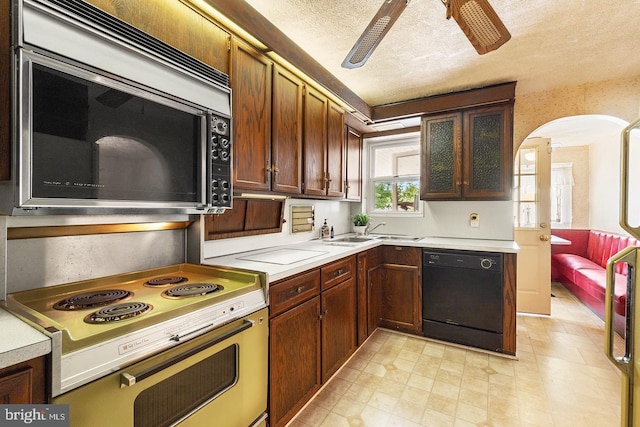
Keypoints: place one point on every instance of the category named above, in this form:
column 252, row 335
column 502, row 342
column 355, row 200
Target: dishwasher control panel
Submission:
column 462, row 259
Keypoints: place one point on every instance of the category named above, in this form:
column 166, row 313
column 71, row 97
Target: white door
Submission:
column 532, row 213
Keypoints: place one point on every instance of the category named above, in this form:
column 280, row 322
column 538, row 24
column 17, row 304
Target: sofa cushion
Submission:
column 594, row 281
column 567, row 264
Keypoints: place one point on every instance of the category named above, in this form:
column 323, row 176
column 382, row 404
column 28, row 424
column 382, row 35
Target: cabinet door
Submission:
column 371, row 289
column 335, row 151
column 251, row 87
column 294, row 366
column 362, row 297
column 441, row 158
column 488, row 153
column 24, row 382
column 353, row 186
column 286, row 136
column 315, row 142
column 16, row 387
column 401, row 289
column 338, row 326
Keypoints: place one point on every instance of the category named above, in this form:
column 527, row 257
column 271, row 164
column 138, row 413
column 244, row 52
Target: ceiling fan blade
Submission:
column 373, row 34
column 479, row 22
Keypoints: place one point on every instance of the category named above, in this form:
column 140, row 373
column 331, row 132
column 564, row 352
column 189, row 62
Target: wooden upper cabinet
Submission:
column 286, row 136
column 323, row 146
column 467, row 155
column 251, row 81
column 353, row 151
column 441, row 157
column 335, row 150
column 179, row 26
column 488, row 154
column 315, row 142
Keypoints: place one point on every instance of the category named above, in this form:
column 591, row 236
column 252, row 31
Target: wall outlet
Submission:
column 474, row 220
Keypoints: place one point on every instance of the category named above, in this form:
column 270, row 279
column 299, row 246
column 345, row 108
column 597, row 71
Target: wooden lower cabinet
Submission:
column 294, row 366
column 338, row 326
column 369, row 276
column 398, row 289
column 24, row 382
column 312, row 333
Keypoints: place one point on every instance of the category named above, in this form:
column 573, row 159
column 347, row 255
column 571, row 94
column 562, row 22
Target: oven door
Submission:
column 221, row 376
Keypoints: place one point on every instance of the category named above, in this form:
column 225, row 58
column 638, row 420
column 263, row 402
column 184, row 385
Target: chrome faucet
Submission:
column 367, row 231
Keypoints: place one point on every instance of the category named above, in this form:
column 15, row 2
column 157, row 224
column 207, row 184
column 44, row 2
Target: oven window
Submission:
column 93, row 141
column 177, row 396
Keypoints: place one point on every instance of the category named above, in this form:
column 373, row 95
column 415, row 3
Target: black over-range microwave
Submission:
column 109, row 120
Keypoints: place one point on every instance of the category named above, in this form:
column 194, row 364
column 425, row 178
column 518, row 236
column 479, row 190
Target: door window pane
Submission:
column 525, row 189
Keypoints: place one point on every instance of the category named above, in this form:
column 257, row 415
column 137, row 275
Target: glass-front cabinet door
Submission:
column 488, row 153
column 441, row 157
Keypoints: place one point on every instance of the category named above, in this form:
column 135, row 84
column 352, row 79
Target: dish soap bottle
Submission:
column 324, row 230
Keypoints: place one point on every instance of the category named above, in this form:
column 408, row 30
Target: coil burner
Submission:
column 92, row 299
column 118, row 312
column 165, row 281
column 192, row 290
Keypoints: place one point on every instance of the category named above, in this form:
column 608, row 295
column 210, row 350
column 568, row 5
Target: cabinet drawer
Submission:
column 403, row 255
column 338, row 272
column 290, row 292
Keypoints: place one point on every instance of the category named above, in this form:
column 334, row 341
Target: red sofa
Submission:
column 580, row 267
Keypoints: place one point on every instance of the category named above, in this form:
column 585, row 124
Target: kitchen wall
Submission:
column 604, row 182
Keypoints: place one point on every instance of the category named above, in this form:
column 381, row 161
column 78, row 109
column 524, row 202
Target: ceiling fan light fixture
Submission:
column 370, row 41
column 480, row 24
column 373, row 34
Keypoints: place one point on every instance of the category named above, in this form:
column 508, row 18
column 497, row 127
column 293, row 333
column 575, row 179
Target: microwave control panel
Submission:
column 220, row 163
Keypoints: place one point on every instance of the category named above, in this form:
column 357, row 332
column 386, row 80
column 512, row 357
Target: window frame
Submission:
column 412, row 140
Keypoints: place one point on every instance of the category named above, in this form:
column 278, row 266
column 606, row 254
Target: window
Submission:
column 394, row 176
column 561, row 194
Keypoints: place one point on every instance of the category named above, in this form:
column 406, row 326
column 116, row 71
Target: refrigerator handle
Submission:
column 625, row 362
column 624, row 182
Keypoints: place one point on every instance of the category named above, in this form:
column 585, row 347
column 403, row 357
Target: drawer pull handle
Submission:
column 299, row 289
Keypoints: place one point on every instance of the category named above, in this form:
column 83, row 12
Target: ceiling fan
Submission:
column 476, row 18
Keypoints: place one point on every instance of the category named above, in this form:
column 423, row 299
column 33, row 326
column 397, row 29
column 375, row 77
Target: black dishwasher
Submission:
column 462, row 298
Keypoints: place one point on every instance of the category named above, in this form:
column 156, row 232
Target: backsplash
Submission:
column 336, row 213
column 451, row 219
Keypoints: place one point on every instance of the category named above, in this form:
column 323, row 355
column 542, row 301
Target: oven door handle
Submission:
column 127, row 380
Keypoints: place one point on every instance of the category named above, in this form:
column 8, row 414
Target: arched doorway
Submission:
column 585, row 193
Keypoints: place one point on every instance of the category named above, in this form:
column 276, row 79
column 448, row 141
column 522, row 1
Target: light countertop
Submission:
column 19, row 341
column 314, row 253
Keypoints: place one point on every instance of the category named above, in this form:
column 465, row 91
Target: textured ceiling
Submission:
column 553, row 44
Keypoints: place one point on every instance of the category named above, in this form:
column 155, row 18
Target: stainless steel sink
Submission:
column 352, row 239
column 397, row 237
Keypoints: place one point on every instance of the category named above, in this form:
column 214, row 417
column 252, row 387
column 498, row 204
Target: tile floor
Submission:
column 561, row 378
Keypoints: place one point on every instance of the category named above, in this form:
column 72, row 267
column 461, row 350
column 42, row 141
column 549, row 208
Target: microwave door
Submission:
column 629, row 362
